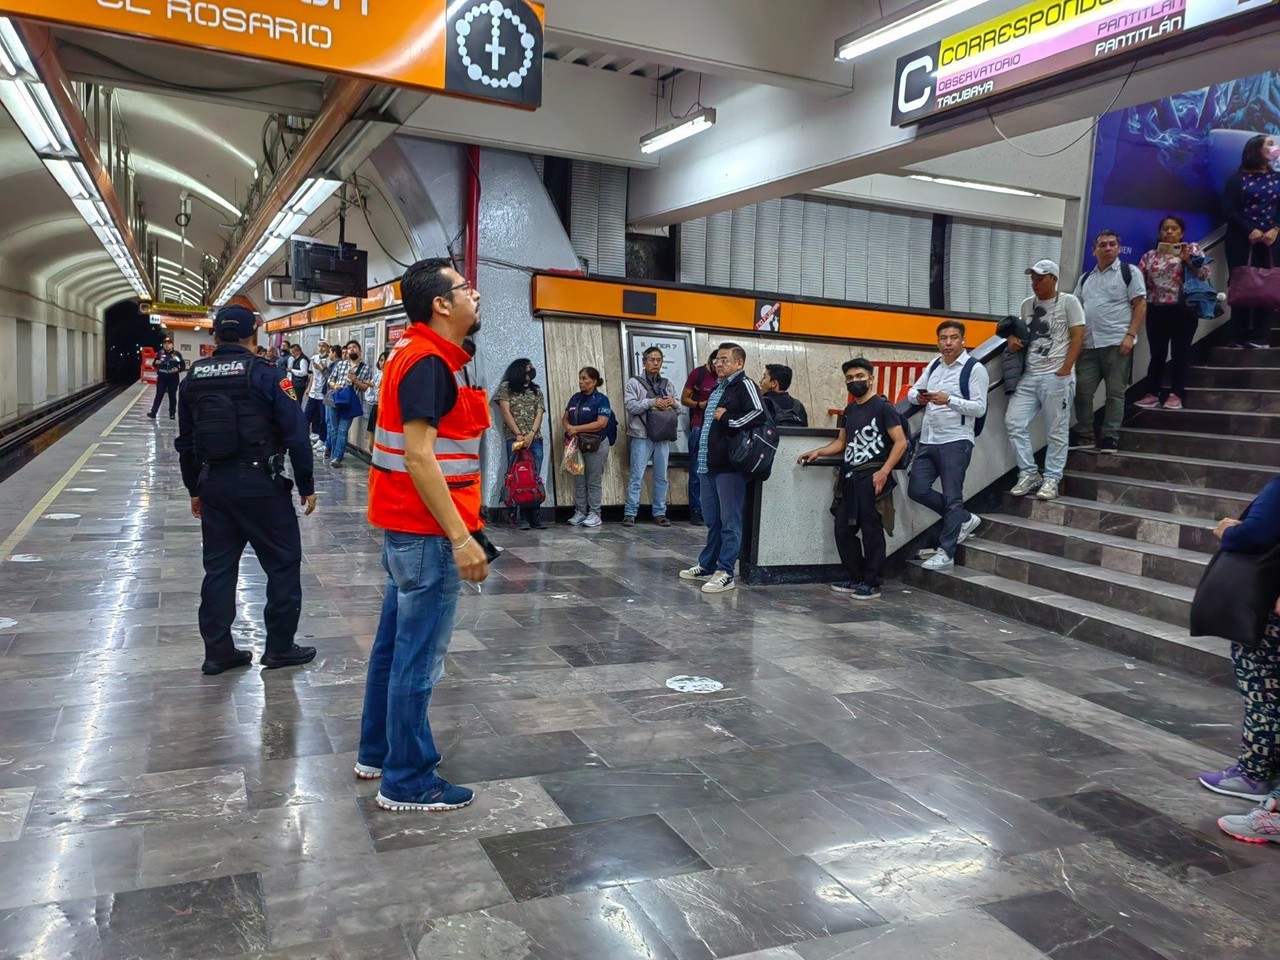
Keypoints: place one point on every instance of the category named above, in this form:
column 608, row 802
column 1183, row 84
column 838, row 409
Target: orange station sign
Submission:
column 482, row 49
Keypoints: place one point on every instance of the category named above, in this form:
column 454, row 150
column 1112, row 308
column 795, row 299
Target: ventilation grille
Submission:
column 986, row 264
column 598, row 218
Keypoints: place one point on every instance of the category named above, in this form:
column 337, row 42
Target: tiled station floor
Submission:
column 908, row 778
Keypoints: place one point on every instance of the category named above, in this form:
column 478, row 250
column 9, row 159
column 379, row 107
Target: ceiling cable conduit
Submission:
column 288, row 191
column 44, row 105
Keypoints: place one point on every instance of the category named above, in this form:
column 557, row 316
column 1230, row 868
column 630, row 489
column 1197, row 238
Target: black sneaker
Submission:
column 848, row 586
column 241, row 658
column 865, row 591
column 628, row 521
column 537, row 523
column 695, row 518
column 1108, row 445
column 295, row 656
column 151, row 416
column 523, row 524
column 1079, row 442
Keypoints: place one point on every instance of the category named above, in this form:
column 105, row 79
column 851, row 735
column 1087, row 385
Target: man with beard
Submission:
column 425, row 493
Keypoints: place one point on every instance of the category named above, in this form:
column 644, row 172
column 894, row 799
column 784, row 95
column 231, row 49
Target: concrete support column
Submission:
column 27, row 364
column 48, row 356
column 75, row 372
column 9, row 385
column 59, row 366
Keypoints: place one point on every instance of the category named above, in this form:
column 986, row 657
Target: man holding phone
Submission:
column 425, row 493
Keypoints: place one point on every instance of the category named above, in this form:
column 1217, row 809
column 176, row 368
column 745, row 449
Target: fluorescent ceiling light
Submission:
column 73, row 178
column 682, row 129
column 921, row 17
column 970, row 185
column 14, row 59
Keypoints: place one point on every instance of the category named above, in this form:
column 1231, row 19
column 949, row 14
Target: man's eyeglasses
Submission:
column 464, row 285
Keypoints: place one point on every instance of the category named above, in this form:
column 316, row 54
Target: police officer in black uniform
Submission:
column 169, row 363
column 237, row 414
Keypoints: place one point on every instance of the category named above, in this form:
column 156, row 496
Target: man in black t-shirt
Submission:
column 871, row 442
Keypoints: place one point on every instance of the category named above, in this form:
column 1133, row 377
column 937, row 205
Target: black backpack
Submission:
column 752, row 449
column 783, row 416
column 965, row 374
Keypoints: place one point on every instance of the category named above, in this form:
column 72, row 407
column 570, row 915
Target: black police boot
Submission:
column 295, row 656
column 241, row 658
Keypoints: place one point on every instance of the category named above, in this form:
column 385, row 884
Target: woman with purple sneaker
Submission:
column 1256, row 775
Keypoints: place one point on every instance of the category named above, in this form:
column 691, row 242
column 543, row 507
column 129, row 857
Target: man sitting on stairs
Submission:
column 1056, row 324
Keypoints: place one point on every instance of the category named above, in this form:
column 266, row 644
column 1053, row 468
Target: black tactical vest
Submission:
column 233, row 423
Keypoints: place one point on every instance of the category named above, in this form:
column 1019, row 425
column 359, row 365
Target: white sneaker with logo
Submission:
column 939, row 561
column 1027, row 481
column 969, row 527
column 577, row 518
column 592, row 520
column 719, row 582
column 1048, row 489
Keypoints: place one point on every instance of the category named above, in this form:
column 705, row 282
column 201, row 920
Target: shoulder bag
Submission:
column 1256, row 287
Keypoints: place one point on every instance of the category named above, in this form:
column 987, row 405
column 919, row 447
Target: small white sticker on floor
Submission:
column 61, row 516
column 684, row 684
column 7, row 623
column 93, row 470
column 82, row 489
column 26, row 558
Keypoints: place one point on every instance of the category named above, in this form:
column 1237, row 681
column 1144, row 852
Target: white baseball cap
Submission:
column 1046, row 268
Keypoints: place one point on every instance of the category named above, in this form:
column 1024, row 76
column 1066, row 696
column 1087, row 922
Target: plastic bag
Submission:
column 572, row 462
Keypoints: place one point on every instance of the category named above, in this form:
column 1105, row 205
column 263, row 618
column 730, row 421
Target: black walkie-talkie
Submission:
column 491, row 551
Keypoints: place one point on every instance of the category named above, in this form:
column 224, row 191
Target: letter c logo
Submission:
column 921, row 63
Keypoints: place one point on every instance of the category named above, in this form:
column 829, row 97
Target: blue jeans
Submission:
column 724, row 497
column 950, row 461
column 642, row 448
column 1054, row 395
column 695, row 478
column 406, row 662
column 338, row 436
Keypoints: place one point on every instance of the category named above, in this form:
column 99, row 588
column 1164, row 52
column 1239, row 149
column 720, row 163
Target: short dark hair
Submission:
column 859, row 363
column 354, row 343
column 168, row 340
column 1106, row 233
column 1182, row 224
column 780, row 374
column 645, row 355
column 711, row 359
column 735, row 350
column 1251, row 157
column 421, row 284
column 950, row 325
column 593, row 373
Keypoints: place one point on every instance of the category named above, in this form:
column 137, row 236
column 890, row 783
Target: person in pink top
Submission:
column 1171, row 322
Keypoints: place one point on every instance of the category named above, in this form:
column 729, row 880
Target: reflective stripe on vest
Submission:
column 457, row 458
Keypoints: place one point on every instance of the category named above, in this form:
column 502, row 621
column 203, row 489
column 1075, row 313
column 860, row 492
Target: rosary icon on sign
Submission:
column 497, row 12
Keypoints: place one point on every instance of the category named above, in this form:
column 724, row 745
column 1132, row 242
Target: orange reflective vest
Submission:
column 394, row 502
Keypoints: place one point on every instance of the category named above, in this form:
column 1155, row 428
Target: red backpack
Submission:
column 523, row 487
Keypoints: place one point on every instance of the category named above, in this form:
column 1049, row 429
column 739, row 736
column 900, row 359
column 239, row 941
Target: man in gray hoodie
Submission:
column 653, row 414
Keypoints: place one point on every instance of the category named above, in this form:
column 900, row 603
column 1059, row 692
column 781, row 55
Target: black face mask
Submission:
column 858, row 388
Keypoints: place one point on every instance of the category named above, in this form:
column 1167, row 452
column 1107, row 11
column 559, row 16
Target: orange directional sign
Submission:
column 484, row 49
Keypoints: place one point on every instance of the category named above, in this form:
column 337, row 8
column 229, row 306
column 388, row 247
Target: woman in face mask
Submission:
column 1251, row 200
column 523, row 406
column 371, row 396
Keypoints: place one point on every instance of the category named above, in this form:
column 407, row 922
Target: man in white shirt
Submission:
column 1114, row 298
column 315, row 396
column 1056, row 324
column 953, row 391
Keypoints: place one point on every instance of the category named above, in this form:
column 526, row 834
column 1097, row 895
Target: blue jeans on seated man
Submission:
column 642, row 449
column 406, row 662
column 724, row 498
column 338, row 436
column 950, row 462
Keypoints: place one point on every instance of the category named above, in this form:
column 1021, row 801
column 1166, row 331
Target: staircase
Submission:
column 1115, row 561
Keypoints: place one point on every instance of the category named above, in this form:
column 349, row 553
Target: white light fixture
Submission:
column 920, row 16
column 306, row 200
column 970, row 185
column 682, row 129
column 14, row 59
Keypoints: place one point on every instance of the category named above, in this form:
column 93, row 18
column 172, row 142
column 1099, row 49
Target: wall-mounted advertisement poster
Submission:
column 676, row 345
column 1174, row 156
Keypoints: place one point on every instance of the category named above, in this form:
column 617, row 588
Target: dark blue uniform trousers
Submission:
column 239, row 506
column 166, row 386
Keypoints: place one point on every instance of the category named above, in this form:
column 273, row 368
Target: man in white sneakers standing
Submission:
column 1056, row 323
column 953, row 391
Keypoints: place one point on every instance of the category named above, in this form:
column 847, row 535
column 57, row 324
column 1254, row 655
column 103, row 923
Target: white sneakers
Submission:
column 592, row 520
column 577, row 518
column 1027, row 481
column 969, row 527
column 695, row 573
column 1048, row 489
column 719, row 582
column 939, row 561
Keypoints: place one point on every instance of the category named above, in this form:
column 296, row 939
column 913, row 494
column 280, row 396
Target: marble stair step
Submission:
column 1124, row 632
column 1252, row 451
column 1232, row 378
column 1207, row 503
column 1227, row 357
column 1187, row 471
column 1166, row 602
column 1224, row 422
column 1236, row 401
column 1153, row 560
column 1119, row 520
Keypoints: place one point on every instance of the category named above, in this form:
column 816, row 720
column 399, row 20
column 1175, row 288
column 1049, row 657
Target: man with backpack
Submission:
column 785, row 409
column 734, row 406
column 653, row 421
column 953, row 391
column 1114, row 298
column 873, row 441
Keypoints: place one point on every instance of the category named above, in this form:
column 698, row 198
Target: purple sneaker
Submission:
column 1234, row 782
column 1260, row 825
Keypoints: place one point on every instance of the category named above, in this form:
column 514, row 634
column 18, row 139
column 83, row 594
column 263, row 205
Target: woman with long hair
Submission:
column 522, row 404
column 1251, row 201
column 589, row 417
column 1171, row 321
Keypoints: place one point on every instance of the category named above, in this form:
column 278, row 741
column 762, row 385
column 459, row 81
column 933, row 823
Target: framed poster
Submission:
column 676, row 344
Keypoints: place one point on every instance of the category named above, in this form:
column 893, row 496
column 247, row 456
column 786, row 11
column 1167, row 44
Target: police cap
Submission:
column 235, row 320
